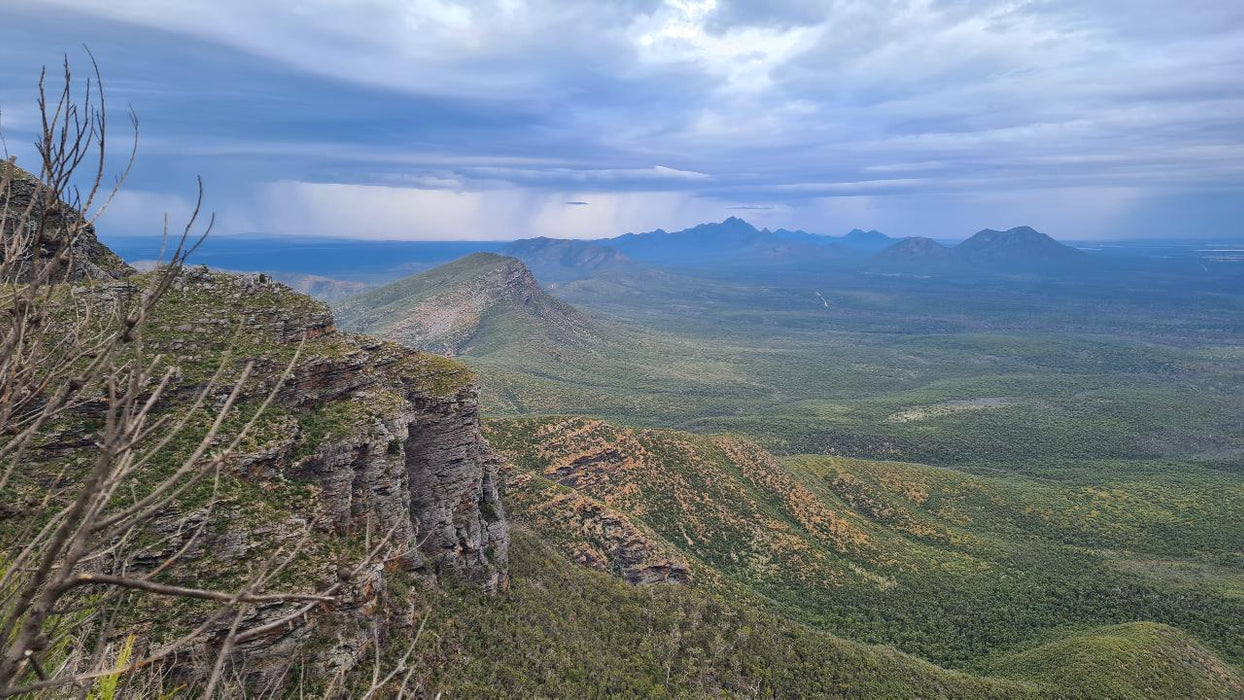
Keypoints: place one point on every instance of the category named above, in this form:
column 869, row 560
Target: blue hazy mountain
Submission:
column 733, row 242
column 870, row 241
column 558, row 260
column 1021, row 246
column 917, row 250
column 1020, row 249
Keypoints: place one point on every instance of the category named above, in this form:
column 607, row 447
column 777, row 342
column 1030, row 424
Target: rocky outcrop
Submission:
column 403, row 444
column 453, row 485
column 594, row 534
column 27, row 202
column 365, row 439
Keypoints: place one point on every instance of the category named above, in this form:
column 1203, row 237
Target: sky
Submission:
column 502, row 119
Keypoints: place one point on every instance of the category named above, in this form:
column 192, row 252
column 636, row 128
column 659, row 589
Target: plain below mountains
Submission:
column 534, row 352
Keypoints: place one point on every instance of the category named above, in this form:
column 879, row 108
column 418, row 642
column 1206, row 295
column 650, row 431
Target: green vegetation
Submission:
column 951, row 567
column 478, row 305
column 566, row 631
column 1086, row 437
column 978, row 377
column 563, row 630
column 1132, row 660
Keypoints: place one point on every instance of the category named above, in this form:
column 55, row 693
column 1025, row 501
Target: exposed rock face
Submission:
column 406, row 448
column 377, row 440
column 27, row 201
column 453, row 486
column 594, row 534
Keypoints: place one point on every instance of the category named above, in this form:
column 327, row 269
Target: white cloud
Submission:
column 602, row 176
column 743, row 58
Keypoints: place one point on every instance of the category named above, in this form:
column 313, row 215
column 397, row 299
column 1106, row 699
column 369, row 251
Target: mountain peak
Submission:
column 867, row 241
column 91, row 258
column 731, row 224
column 473, row 305
column 1019, row 246
column 915, row 249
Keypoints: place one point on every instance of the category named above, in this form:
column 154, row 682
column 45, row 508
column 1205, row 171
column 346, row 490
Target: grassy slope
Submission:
column 1131, row 660
column 480, row 305
column 566, row 631
column 941, row 564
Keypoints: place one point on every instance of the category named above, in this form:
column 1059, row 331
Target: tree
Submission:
column 71, row 345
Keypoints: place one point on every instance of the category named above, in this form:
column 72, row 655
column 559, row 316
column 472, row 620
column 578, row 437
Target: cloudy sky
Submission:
column 498, row 119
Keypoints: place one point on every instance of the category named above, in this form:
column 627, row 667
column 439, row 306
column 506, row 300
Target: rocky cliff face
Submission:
column 365, row 439
column 406, row 447
column 25, row 201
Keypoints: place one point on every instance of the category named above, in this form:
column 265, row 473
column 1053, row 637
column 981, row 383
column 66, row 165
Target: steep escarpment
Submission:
column 365, row 443
column 387, row 432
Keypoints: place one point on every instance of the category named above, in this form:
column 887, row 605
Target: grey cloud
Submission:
column 788, row 102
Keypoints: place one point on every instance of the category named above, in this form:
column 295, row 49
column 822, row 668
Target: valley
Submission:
column 981, row 470
column 801, row 475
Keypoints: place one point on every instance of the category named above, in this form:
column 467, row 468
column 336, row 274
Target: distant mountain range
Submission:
column 736, row 246
column 872, row 240
column 1019, row 249
column 558, row 260
column 737, row 241
column 727, row 242
column 332, row 269
column 1017, row 245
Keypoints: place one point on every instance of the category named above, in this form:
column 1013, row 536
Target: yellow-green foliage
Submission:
column 1136, row 660
column 565, row 631
column 106, row 686
column 436, row 375
column 948, row 566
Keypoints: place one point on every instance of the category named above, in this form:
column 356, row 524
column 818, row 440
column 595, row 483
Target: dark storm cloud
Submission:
column 922, row 117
